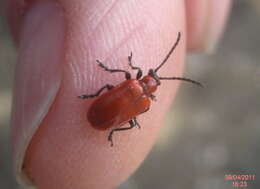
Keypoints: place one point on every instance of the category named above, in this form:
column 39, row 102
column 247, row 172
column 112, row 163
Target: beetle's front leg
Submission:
column 140, row 72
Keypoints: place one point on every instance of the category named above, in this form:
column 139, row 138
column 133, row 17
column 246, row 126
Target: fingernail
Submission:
column 38, row 76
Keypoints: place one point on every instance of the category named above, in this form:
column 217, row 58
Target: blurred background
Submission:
column 209, row 132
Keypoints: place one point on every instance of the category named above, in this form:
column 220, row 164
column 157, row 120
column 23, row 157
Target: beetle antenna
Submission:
column 182, row 79
column 170, row 52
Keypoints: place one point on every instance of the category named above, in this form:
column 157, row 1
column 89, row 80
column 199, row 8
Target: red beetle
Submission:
column 122, row 103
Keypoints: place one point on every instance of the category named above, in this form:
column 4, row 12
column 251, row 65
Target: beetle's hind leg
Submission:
column 107, row 86
column 139, row 72
column 132, row 123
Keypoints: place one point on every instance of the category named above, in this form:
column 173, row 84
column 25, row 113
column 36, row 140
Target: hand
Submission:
column 58, row 44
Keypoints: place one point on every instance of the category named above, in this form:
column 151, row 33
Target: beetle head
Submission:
column 154, row 75
column 150, row 82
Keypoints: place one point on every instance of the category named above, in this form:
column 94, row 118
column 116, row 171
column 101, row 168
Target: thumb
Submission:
column 52, row 138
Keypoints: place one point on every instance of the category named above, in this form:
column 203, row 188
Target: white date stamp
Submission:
column 239, row 181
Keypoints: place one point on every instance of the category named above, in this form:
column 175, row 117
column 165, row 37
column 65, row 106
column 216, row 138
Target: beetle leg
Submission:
column 139, row 73
column 135, row 120
column 127, row 74
column 107, row 86
column 132, row 124
column 153, row 97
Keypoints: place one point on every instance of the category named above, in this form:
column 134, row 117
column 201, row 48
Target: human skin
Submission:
column 58, row 43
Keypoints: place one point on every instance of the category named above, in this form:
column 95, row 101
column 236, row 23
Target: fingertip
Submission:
column 66, row 151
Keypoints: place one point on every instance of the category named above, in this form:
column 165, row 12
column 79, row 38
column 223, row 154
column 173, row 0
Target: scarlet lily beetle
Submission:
column 124, row 102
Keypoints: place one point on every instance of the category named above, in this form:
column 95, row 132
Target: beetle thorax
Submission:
column 149, row 84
